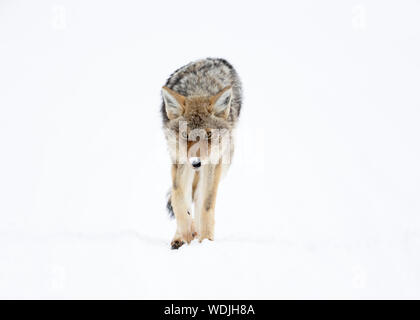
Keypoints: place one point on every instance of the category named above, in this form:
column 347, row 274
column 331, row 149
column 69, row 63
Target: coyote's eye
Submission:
column 184, row 134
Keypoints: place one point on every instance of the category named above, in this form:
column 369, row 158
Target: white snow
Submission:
column 322, row 200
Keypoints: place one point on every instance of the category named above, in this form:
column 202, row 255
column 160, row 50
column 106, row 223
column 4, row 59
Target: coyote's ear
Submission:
column 174, row 103
column 220, row 103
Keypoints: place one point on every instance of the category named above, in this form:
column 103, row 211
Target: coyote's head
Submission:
column 198, row 129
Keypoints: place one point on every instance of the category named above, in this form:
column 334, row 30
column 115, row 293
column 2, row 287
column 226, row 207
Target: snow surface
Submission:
column 322, row 200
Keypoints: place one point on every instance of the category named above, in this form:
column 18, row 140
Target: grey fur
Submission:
column 169, row 206
column 206, row 77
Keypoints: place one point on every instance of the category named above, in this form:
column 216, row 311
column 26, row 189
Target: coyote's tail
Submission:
column 169, row 205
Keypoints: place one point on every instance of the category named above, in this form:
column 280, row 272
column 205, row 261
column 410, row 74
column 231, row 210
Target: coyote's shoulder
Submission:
column 206, row 77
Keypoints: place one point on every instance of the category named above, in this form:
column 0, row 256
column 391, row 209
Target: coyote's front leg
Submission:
column 182, row 177
column 209, row 184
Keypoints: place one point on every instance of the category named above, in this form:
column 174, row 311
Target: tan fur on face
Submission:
column 197, row 106
column 197, row 112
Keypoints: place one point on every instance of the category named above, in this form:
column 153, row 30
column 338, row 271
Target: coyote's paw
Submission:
column 206, row 235
column 185, row 235
column 206, row 231
column 176, row 244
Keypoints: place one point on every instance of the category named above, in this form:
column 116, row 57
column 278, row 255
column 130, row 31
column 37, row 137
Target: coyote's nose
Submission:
column 195, row 162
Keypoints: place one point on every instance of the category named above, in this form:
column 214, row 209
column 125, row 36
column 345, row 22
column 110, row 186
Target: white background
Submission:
column 322, row 199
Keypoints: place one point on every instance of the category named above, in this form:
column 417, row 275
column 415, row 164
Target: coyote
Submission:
column 200, row 108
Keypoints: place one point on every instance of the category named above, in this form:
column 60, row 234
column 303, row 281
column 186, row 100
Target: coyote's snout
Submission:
column 201, row 105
